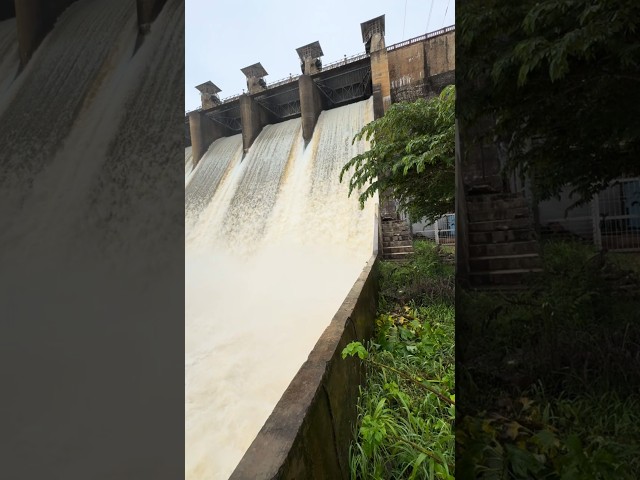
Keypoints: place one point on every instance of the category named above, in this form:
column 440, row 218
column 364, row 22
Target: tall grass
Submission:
column 407, row 405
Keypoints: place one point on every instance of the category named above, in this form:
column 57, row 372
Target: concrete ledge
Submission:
column 307, row 435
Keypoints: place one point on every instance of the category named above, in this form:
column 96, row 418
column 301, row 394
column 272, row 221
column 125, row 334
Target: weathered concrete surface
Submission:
column 148, row 10
column 422, row 69
column 254, row 117
column 378, row 106
column 380, row 76
column 34, row 19
column 308, row 433
column 203, row 133
column 310, row 105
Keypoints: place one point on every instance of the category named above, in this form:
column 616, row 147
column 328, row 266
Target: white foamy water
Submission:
column 60, row 80
column 81, row 125
column 188, row 164
column 268, row 263
column 211, row 169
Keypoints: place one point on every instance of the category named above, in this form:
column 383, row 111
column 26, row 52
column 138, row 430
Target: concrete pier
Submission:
column 254, row 118
column 203, row 133
column 147, row 12
column 34, row 19
column 310, row 105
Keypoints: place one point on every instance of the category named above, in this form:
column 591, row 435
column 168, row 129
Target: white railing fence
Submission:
column 610, row 221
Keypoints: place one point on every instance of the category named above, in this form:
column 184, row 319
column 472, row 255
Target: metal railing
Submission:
column 344, row 61
column 421, row 38
column 442, row 232
column 610, row 221
column 289, row 79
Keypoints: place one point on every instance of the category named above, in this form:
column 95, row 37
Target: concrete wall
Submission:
column 480, row 160
column 440, row 53
column 309, row 432
column 380, row 78
column 422, row 69
column 407, row 72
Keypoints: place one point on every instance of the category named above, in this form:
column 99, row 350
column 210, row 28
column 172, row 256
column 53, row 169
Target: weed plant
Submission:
column 407, row 405
column 550, row 376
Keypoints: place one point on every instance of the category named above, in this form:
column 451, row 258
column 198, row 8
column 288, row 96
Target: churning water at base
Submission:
column 269, row 260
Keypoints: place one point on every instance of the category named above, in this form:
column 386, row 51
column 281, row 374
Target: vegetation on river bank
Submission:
column 407, row 405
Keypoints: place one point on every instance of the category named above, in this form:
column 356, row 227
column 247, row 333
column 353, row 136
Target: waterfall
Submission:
column 269, row 260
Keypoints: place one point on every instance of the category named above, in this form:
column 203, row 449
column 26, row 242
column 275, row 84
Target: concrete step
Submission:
column 396, row 228
column 502, row 277
column 392, row 233
column 394, row 223
column 499, row 225
column 397, row 243
column 511, row 248
column 396, row 256
column 397, row 237
column 516, row 235
column 390, row 249
column 499, row 214
column 505, row 262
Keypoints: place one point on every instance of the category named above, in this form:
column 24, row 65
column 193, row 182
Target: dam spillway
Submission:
column 90, row 185
column 272, row 249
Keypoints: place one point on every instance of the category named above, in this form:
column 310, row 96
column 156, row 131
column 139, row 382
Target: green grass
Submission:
column 549, row 375
column 407, row 405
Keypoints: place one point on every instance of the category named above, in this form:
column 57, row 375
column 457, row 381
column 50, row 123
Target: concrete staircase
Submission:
column 503, row 248
column 396, row 240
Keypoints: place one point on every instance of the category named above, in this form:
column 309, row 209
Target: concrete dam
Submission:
column 274, row 246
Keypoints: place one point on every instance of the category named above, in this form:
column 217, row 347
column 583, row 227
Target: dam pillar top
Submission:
column 310, row 54
column 209, row 95
column 255, row 78
column 373, row 34
column 373, row 38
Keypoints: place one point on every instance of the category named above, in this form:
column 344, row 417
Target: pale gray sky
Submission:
column 223, row 36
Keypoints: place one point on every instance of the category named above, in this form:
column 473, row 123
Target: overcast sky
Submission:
column 223, row 36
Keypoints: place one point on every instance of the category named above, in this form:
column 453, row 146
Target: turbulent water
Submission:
column 188, row 164
column 91, row 138
column 211, row 169
column 272, row 249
